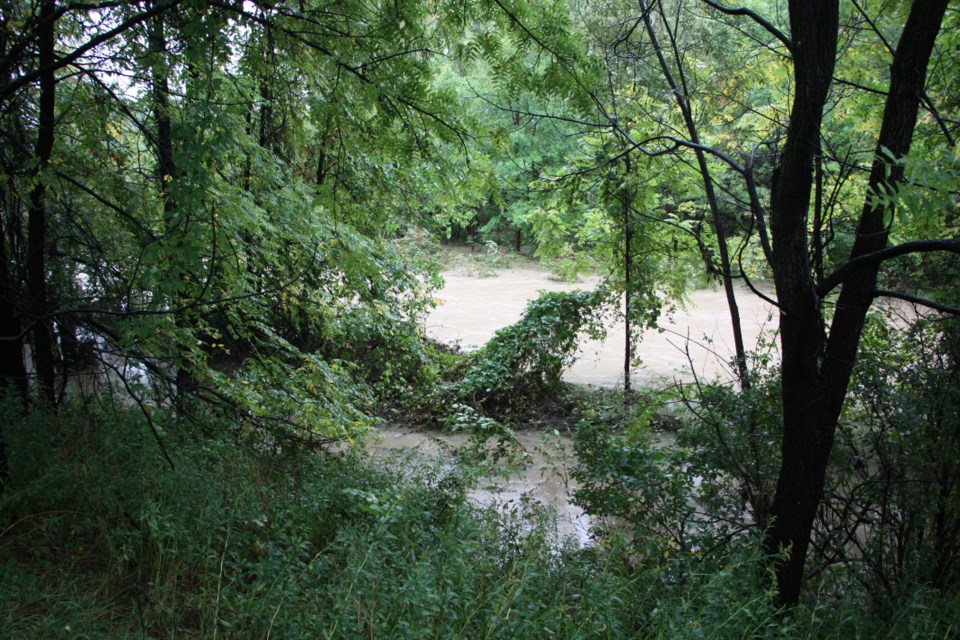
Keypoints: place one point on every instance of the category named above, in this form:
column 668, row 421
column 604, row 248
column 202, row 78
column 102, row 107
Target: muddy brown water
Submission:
column 541, row 475
column 471, row 308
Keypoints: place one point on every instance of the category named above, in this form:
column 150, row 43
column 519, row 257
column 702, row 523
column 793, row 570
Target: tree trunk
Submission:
column 806, row 445
column 813, row 390
column 627, row 266
column 680, row 93
column 907, row 82
column 39, row 304
column 166, row 165
column 13, row 371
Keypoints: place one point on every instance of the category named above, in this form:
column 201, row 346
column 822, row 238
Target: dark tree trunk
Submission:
column 907, row 82
column 39, row 303
column 13, row 372
column 166, row 165
column 166, row 168
column 815, row 371
column 806, row 443
column 627, row 266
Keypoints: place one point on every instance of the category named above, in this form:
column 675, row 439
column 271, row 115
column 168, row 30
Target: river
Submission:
column 542, row 477
column 471, row 308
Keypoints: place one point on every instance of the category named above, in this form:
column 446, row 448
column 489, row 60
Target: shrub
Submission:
column 525, row 360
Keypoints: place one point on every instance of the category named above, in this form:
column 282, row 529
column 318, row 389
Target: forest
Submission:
column 222, row 224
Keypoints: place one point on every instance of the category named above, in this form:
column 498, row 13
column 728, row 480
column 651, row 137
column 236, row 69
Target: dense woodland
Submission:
column 221, row 229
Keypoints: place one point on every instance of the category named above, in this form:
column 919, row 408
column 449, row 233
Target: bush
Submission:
column 100, row 537
column 525, row 361
column 893, row 512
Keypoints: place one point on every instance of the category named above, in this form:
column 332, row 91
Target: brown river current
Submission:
column 472, row 308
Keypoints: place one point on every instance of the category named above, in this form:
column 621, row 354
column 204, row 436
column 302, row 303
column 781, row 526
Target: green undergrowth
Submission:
column 102, row 537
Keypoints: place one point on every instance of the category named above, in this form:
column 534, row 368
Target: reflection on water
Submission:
column 472, row 308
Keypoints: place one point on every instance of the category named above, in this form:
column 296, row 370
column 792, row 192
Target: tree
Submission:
column 817, row 350
column 817, row 364
column 191, row 189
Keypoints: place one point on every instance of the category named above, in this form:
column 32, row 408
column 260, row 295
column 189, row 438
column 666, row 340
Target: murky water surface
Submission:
column 541, row 475
column 472, row 308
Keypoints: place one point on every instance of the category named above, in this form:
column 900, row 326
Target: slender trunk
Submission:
column 816, row 250
column 907, row 81
column 166, row 168
column 166, row 165
column 680, row 93
column 13, row 372
column 39, row 303
column 321, row 168
column 627, row 266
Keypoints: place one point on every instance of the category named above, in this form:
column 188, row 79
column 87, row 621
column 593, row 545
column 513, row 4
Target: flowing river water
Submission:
column 472, row 308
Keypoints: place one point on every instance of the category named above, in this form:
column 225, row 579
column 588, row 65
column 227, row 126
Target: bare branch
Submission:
column 688, row 144
column 926, row 302
column 760, row 20
column 871, row 259
column 857, row 85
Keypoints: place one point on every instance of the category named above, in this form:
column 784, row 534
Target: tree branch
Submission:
column 944, row 308
column 760, row 20
column 15, row 85
column 871, row 259
column 925, row 99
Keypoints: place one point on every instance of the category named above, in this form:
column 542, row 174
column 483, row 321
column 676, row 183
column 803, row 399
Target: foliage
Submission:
column 629, row 478
column 733, row 438
column 892, row 512
column 886, row 525
column 200, row 275
column 222, row 186
column 101, row 538
column 526, row 359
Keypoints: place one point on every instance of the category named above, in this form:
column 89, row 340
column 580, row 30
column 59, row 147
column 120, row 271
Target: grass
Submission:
column 100, row 538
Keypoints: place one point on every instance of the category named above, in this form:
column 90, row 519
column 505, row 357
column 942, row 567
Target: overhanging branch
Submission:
column 871, row 259
column 943, row 308
column 760, row 20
